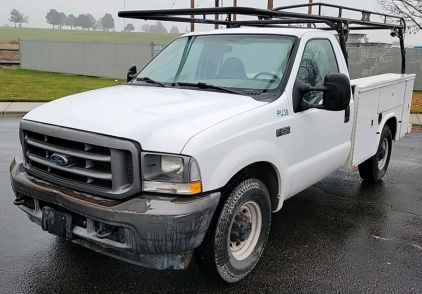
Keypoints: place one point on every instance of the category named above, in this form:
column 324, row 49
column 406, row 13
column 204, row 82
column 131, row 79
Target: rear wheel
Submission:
column 374, row 168
column 237, row 236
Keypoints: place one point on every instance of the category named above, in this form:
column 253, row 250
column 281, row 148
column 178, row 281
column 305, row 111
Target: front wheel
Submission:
column 374, row 168
column 237, row 236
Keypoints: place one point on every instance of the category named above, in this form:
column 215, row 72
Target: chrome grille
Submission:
column 97, row 164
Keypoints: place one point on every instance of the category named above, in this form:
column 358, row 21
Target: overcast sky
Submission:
column 37, row 10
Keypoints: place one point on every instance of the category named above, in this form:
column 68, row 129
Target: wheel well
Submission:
column 392, row 123
column 263, row 171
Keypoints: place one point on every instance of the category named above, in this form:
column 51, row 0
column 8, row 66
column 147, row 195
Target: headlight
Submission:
column 170, row 174
column 172, row 166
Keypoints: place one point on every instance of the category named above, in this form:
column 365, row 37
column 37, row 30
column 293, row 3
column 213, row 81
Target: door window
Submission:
column 317, row 61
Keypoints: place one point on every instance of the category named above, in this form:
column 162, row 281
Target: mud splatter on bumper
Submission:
column 149, row 230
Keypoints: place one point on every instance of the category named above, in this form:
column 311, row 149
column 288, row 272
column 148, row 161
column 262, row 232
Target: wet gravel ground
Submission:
column 338, row 236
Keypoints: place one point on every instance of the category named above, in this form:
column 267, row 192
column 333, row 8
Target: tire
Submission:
column 228, row 251
column 374, row 168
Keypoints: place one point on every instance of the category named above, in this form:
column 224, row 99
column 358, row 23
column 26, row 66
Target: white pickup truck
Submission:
column 195, row 153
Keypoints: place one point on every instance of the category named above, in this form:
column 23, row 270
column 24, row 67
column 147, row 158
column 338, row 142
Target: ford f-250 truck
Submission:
column 195, row 152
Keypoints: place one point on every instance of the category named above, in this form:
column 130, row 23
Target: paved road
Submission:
column 339, row 236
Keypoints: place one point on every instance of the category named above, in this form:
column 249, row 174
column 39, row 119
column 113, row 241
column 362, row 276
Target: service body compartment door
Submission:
column 406, row 107
column 365, row 127
column 391, row 96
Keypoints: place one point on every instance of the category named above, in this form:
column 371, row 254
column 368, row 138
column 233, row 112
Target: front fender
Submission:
column 225, row 149
column 245, row 155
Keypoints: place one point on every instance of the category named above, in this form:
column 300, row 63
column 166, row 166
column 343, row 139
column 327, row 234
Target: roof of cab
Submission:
column 297, row 32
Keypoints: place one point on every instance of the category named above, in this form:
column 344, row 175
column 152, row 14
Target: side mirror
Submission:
column 131, row 73
column 336, row 93
column 337, row 97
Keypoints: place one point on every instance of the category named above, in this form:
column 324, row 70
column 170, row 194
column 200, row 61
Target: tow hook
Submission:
column 21, row 200
column 105, row 232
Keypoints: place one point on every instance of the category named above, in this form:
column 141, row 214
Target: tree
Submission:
column 129, row 28
column 107, row 22
column 92, row 21
column 15, row 16
column 158, row 28
column 174, row 30
column 83, row 21
column 145, row 28
column 23, row 19
column 410, row 10
column 71, row 21
column 63, row 19
column 53, row 17
column 99, row 24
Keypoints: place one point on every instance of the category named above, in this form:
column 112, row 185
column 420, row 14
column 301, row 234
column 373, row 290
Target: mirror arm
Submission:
column 305, row 105
column 305, row 89
column 130, row 76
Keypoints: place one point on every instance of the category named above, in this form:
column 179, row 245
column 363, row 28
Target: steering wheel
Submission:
column 266, row 73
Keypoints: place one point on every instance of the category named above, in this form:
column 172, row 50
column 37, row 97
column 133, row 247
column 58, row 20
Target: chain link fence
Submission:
column 370, row 61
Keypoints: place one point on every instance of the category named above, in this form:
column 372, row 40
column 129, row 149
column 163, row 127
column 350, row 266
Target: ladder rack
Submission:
column 279, row 17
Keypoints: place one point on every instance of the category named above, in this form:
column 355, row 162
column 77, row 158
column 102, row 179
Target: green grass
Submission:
column 19, row 85
column 10, row 34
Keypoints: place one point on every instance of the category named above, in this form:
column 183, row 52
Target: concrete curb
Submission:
column 3, row 107
column 19, row 109
column 416, row 120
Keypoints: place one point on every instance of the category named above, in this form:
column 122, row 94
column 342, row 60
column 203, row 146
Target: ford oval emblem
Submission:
column 60, row 160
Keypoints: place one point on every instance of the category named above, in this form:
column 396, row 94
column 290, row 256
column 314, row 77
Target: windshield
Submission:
column 241, row 62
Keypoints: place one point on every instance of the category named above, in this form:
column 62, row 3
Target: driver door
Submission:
column 321, row 138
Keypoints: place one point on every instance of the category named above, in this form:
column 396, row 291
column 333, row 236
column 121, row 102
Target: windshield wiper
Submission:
column 208, row 86
column 149, row 81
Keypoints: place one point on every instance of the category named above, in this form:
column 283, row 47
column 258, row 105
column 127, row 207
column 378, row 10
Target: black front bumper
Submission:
column 158, row 232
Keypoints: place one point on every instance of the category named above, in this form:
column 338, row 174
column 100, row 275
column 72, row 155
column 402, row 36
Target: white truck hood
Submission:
column 160, row 119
